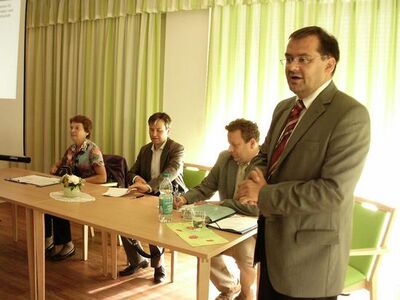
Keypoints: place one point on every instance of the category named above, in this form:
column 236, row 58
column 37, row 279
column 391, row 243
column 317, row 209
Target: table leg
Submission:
column 30, row 245
column 173, row 260
column 85, row 249
column 203, row 277
column 35, row 249
column 104, row 244
column 38, row 219
column 14, row 217
column 114, row 262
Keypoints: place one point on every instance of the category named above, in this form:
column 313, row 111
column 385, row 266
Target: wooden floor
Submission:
column 77, row 279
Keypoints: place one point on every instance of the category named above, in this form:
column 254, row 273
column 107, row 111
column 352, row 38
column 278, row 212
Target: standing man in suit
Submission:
column 224, row 177
column 315, row 151
column 162, row 155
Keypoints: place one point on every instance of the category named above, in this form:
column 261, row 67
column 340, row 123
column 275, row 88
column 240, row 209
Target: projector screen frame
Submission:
column 22, row 78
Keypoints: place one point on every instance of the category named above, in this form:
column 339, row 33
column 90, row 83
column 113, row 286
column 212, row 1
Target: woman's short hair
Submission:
column 85, row 121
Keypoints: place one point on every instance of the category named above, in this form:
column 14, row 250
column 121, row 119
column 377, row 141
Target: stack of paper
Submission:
column 116, row 192
column 36, row 180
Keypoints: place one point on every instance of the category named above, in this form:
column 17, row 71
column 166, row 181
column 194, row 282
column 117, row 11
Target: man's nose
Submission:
column 293, row 66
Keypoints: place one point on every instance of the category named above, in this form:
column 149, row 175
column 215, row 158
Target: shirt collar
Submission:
column 159, row 149
column 82, row 148
column 309, row 100
column 243, row 164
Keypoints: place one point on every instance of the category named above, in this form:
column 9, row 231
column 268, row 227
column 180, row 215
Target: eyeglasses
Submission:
column 301, row 60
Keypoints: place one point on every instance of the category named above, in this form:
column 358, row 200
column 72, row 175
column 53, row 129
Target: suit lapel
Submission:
column 147, row 162
column 164, row 155
column 281, row 123
column 316, row 109
column 231, row 178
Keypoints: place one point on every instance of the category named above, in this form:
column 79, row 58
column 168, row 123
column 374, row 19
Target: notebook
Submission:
column 236, row 224
column 214, row 212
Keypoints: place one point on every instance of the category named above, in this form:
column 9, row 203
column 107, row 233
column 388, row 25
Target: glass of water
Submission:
column 187, row 214
column 199, row 219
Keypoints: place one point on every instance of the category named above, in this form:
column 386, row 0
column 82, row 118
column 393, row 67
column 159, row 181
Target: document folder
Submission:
column 236, row 224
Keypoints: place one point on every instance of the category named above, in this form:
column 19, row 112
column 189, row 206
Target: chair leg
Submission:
column 258, row 266
column 91, row 231
column 85, row 235
column 372, row 290
column 119, row 241
column 173, row 260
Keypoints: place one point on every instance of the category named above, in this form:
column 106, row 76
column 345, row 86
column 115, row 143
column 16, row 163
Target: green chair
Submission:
column 372, row 223
column 194, row 174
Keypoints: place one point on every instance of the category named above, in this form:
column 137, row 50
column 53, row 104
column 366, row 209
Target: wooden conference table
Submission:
column 135, row 218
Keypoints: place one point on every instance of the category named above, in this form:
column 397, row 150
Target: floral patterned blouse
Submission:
column 83, row 160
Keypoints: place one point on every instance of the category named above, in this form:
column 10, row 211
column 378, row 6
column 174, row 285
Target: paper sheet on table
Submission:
column 36, row 180
column 116, row 192
column 195, row 238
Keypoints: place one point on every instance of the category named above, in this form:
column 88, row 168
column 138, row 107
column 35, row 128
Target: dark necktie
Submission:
column 286, row 133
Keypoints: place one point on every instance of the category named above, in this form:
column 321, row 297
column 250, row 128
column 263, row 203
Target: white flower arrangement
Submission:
column 71, row 181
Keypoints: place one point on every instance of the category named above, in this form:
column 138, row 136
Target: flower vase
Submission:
column 71, row 191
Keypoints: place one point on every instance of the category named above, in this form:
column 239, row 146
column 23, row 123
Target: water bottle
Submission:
column 165, row 200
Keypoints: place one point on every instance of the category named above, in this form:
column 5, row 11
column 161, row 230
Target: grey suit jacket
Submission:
column 308, row 201
column 171, row 162
column 222, row 178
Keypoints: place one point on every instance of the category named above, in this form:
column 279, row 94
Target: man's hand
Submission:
column 250, row 188
column 139, row 179
column 179, row 201
column 140, row 187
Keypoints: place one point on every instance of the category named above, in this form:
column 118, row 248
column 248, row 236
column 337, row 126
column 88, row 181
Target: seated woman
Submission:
column 85, row 160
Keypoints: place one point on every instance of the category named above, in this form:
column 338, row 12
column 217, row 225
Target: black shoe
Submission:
column 129, row 270
column 159, row 274
column 59, row 256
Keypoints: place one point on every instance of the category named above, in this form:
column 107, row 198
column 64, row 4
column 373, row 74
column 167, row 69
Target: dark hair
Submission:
column 159, row 116
column 85, row 121
column 248, row 129
column 328, row 44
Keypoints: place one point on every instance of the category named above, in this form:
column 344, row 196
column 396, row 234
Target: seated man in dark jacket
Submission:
column 162, row 155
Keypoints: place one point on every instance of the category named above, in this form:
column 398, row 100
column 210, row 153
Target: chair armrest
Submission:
column 199, row 167
column 368, row 251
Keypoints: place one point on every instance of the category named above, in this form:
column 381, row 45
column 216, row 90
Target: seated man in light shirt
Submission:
column 161, row 155
column 224, row 177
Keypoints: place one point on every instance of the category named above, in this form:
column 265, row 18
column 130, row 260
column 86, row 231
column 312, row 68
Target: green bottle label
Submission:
column 166, row 204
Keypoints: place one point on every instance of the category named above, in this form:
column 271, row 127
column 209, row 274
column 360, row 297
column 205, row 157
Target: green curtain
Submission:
column 62, row 11
column 246, row 79
column 94, row 60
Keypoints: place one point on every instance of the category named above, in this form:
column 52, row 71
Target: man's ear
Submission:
column 253, row 143
column 331, row 64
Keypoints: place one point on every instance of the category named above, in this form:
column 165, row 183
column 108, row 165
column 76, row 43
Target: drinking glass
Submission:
column 187, row 214
column 199, row 219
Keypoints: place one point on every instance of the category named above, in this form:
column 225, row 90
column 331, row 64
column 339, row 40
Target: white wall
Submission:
column 185, row 73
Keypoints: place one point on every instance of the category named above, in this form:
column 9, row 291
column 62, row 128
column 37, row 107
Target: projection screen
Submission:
column 12, row 46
